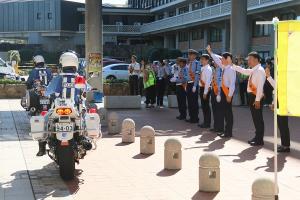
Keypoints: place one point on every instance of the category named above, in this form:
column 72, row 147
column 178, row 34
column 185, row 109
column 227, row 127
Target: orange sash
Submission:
column 184, row 85
column 224, row 88
column 191, row 73
column 252, row 86
column 215, row 86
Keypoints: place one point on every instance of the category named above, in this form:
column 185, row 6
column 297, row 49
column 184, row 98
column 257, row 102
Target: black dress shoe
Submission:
column 203, row 126
column 282, row 149
column 192, row 121
column 256, row 143
column 180, row 118
column 251, row 141
column 225, row 135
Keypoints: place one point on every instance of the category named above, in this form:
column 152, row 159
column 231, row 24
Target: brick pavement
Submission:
column 117, row 171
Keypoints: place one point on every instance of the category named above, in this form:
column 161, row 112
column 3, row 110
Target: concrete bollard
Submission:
column 113, row 123
column 147, row 140
column 173, row 154
column 263, row 189
column 128, row 131
column 209, row 173
column 103, row 116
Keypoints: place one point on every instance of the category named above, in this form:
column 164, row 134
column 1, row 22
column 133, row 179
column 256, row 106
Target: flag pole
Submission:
column 274, row 22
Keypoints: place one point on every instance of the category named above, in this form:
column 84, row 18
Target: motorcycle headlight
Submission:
column 63, row 111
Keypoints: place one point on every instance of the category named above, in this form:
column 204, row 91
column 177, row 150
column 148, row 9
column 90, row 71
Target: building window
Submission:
column 212, row 2
column 49, row 15
column 198, row 5
column 183, row 36
column 197, row 34
column 288, row 16
column 215, row 35
column 172, row 13
column 161, row 16
column 38, row 15
column 261, row 30
column 264, row 54
column 184, row 9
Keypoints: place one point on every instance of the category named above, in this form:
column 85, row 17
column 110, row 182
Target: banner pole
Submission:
column 275, row 23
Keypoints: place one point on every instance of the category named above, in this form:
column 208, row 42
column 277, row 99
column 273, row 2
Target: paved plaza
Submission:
column 118, row 171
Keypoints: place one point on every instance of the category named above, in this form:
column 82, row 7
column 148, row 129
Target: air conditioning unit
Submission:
column 119, row 23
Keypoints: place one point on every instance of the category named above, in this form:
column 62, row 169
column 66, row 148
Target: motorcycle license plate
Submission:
column 64, row 127
column 44, row 101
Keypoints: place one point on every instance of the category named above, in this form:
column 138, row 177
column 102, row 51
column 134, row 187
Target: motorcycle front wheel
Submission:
column 66, row 162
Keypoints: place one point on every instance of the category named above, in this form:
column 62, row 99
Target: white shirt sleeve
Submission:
column 242, row 70
column 208, row 77
column 271, row 81
column 217, row 59
column 260, row 87
column 232, row 83
column 137, row 67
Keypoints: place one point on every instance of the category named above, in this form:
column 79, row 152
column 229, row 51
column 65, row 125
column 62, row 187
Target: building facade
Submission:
column 174, row 24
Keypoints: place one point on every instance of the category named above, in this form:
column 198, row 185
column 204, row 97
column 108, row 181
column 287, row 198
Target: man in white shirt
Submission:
column 205, row 90
column 257, row 78
column 227, row 89
column 134, row 70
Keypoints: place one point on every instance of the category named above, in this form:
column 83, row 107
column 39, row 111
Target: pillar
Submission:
column 93, row 37
column 166, row 41
column 205, row 37
column 238, row 37
column 177, row 40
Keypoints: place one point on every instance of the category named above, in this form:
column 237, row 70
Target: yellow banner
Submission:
column 288, row 57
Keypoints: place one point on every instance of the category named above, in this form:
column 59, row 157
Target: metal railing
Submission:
column 211, row 12
column 125, row 29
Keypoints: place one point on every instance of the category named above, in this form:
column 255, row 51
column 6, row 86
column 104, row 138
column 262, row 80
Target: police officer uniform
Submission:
column 256, row 81
column 181, row 84
column 192, row 88
column 218, row 125
column 227, row 90
column 161, row 85
column 205, row 89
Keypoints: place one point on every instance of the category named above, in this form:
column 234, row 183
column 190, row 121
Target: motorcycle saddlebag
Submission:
column 92, row 122
column 37, row 124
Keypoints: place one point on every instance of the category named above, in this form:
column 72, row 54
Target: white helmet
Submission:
column 69, row 59
column 38, row 59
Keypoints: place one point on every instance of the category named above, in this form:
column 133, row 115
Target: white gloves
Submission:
column 218, row 98
column 194, row 89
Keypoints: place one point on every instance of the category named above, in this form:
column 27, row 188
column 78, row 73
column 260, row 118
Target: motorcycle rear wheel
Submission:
column 66, row 162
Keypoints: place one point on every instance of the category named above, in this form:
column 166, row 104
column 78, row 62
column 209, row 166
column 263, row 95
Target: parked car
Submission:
column 109, row 61
column 7, row 71
column 116, row 71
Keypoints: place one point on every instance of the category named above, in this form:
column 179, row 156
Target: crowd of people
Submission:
column 214, row 79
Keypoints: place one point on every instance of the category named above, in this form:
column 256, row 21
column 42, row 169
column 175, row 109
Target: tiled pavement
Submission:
column 117, row 171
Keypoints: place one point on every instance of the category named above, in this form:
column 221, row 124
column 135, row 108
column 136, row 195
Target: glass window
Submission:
column 172, row 13
column 120, row 67
column 161, row 16
column 261, row 30
column 183, row 36
column 38, row 15
column 197, row 34
column 215, row 35
column 264, row 54
column 198, row 5
column 288, row 16
column 184, row 9
column 49, row 15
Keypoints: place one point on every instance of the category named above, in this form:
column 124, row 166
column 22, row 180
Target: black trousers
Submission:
column 257, row 117
column 243, row 92
column 226, row 114
column 268, row 92
column 160, row 91
column 217, row 115
column 141, row 86
column 150, row 95
column 193, row 105
column 134, row 84
column 205, row 107
column 283, row 125
column 181, row 99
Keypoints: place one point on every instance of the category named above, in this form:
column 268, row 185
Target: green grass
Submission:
column 11, row 82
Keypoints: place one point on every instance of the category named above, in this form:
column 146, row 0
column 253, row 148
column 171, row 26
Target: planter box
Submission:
column 12, row 91
column 116, row 89
column 122, row 102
